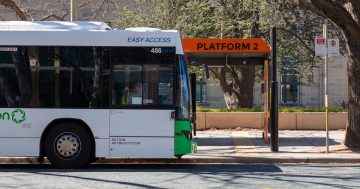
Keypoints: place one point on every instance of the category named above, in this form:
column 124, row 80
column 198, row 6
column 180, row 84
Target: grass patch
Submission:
column 309, row 109
column 281, row 109
column 200, row 109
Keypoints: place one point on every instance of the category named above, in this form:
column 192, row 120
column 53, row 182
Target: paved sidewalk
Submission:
column 247, row 146
column 294, row 147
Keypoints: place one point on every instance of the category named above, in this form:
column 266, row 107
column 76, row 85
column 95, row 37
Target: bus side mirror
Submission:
column 193, row 100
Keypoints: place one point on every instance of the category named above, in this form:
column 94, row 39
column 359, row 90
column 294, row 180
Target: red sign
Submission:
column 320, row 41
column 333, row 43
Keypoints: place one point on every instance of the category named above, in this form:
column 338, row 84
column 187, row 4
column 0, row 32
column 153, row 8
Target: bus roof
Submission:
column 48, row 33
column 49, row 25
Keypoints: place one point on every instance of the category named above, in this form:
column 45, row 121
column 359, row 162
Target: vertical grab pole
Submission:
column 274, row 113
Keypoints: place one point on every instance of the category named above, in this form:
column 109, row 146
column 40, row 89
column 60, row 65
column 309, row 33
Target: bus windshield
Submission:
column 183, row 100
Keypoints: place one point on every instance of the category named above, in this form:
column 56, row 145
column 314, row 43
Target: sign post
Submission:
column 326, row 47
column 325, row 36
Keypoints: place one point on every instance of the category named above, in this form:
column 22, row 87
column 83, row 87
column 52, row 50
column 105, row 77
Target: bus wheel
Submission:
column 179, row 156
column 68, row 145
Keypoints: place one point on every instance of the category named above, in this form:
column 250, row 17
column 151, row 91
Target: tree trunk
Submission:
column 95, row 96
column 345, row 14
column 352, row 139
column 237, row 82
column 238, row 86
column 7, row 91
column 22, row 66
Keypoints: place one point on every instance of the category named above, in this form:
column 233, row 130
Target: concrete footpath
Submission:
column 248, row 146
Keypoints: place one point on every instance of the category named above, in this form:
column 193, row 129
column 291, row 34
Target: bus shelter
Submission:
column 232, row 52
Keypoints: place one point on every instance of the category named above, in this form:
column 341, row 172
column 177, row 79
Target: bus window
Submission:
column 183, row 97
column 127, row 85
column 145, row 80
column 158, row 84
column 76, row 76
column 47, row 77
column 14, row 67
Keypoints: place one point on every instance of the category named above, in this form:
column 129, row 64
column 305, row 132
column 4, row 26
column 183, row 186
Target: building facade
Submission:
column 294, row 89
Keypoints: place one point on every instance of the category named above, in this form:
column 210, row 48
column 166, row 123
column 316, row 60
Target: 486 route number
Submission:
column 156, row 50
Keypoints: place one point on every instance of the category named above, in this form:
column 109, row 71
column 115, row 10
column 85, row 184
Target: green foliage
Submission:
column 297, row 30
column 194, row 18
column 256, row 109
column 310, row 109
column 232, row 18
column 129, row 19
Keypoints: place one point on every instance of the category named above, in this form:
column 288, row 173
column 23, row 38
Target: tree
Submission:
column 23, row 10
column 39, row 10
column 206, row 19
column 345, row 14
column 235, row 18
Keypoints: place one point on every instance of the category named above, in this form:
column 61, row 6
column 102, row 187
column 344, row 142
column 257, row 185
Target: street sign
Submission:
column 320, row 47
column 333, row 47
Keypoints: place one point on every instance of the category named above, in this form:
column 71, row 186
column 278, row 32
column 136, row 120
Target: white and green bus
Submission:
column 74, row 92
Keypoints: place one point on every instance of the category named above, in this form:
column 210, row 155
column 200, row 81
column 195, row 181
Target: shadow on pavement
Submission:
column 223, row 141
column 192, row 168
column 283, row 141
column 305, row 141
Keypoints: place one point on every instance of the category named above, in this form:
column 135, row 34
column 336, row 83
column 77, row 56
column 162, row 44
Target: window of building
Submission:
column 201, row 91
column 290, row 83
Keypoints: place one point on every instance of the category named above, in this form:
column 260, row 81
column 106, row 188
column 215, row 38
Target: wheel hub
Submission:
column 67, row 145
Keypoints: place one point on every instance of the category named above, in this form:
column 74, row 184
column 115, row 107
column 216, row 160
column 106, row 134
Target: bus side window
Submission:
column 126, row 85
column 158, row 84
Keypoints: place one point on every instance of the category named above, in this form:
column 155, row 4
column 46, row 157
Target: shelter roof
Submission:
column 230, row 51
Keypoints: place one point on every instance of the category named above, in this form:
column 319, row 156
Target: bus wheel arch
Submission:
column 55, row 122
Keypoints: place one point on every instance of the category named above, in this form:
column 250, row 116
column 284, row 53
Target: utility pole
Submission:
column 274, row 112
column 325, row 36
column 74, row 11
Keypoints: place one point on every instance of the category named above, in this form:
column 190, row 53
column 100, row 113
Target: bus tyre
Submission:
column 179, row 156
column 68, row 145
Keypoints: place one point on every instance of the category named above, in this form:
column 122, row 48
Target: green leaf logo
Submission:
column 18, row 116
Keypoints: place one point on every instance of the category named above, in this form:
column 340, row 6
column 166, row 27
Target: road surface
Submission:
column 183, row 176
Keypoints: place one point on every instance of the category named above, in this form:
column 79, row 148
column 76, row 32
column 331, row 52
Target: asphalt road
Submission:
column 183, row 176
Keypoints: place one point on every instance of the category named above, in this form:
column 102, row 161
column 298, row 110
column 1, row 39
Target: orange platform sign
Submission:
column 248, row 45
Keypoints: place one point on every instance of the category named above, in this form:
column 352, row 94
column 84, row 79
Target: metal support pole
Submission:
column 274, row 114
column 325, row 36
column 74, row 11
column 193, row 100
